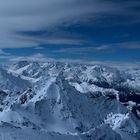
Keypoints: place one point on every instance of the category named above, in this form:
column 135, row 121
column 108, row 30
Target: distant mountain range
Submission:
column 69, row 101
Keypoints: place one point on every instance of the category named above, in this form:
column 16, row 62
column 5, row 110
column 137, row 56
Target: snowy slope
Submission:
column 11, row 82
column 61, row 101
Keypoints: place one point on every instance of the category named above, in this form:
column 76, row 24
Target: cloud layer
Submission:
column 33, row 15
column 42, row 15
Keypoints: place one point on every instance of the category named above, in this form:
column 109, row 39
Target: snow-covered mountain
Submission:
column 69, row 101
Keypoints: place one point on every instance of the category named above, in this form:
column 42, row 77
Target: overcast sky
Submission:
column 100, row 30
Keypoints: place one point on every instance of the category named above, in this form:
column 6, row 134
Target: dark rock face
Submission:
column 125, row 97
column 3, row 95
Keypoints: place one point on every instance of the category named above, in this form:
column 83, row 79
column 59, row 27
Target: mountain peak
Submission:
column 69, row 100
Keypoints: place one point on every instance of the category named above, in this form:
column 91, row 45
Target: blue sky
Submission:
column 95, row 30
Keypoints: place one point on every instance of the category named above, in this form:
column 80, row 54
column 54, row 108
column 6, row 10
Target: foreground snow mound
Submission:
column 59, row 101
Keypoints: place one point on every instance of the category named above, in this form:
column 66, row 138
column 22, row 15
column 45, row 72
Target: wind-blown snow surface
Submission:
column 59, row 101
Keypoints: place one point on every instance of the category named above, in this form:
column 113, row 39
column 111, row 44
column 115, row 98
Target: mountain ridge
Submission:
column 74, row 101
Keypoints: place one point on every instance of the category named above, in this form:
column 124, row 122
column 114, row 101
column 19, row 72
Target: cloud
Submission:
column 104, row 48
column 39, row 48
column 55, row 40
column 3, row 52
column 134, row 45
column 4, row 56
column 33, row 15
column 35, row 57
column 42, row 58
column 129, row 45
column 79, row 50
